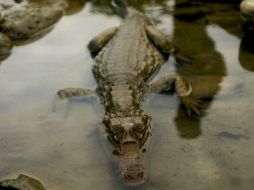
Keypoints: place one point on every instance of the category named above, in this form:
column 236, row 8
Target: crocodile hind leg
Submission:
column 159, row 39
column 182, row 88
column 165, row 46
column 99, row 41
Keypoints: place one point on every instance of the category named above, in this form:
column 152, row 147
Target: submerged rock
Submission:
column 246, row 52
column 23, row 182
column 247, row 14
column 32, row 21
column 7, row 7
column 23, row 22
column 5, row 46
column 74, row 6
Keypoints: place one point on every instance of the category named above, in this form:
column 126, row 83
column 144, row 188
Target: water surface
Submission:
column 63, row 151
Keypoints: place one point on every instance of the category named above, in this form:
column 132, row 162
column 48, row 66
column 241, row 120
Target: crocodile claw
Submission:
column 192, row 105
column 183, row 58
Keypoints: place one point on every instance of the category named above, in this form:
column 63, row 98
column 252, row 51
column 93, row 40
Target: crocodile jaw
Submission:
column 132, row 164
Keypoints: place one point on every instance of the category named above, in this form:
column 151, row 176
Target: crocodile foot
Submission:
column 183, row 90
column 183, row 58
column 23, row 182
column 192, row 105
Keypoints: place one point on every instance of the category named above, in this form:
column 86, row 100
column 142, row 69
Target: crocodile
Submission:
column 125, row 60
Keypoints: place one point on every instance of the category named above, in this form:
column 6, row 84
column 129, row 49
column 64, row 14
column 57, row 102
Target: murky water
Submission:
column 62, row 149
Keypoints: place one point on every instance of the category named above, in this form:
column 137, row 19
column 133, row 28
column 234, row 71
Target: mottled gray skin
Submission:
column 125, row 58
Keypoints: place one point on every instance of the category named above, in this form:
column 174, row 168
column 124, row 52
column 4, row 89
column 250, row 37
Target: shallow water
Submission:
column 61, row 148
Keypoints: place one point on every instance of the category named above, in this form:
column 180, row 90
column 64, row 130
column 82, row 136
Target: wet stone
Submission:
column 247, row 15
column 23, row 182
column 5, row 46
column 31, row 21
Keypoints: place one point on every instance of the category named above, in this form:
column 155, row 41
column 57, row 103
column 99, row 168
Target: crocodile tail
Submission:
column 120, row 7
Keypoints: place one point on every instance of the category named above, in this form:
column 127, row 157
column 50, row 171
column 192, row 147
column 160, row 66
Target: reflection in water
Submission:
column 246, row 52
column 102, row 6
column 208, row 68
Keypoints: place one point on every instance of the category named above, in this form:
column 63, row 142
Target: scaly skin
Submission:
column 136, row 58
column 124, row 60
column 121, row 70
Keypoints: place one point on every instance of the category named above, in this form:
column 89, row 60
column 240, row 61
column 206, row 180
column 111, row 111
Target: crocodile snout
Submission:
column 135, row 175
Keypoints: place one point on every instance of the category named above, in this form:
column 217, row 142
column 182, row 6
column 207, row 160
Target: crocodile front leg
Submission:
column 70, row 92
column 164, row 45
column 159, row 39
column 23, row 182
column 182, row 88
column 99, row 41
column 62, row 98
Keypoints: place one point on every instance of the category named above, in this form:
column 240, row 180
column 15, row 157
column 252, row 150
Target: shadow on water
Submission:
column 208, row 68
column 246, row 52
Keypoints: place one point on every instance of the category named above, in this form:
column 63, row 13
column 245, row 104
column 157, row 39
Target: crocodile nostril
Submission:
column 133, row 176
column 127, row 176
column 141, row 175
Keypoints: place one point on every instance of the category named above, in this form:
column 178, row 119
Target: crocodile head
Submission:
column 129, row 137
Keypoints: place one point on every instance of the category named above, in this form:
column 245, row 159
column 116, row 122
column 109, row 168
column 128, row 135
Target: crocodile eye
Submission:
column 115, row 138
column 137, row 131
column 118, row 132
column 113, row 141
